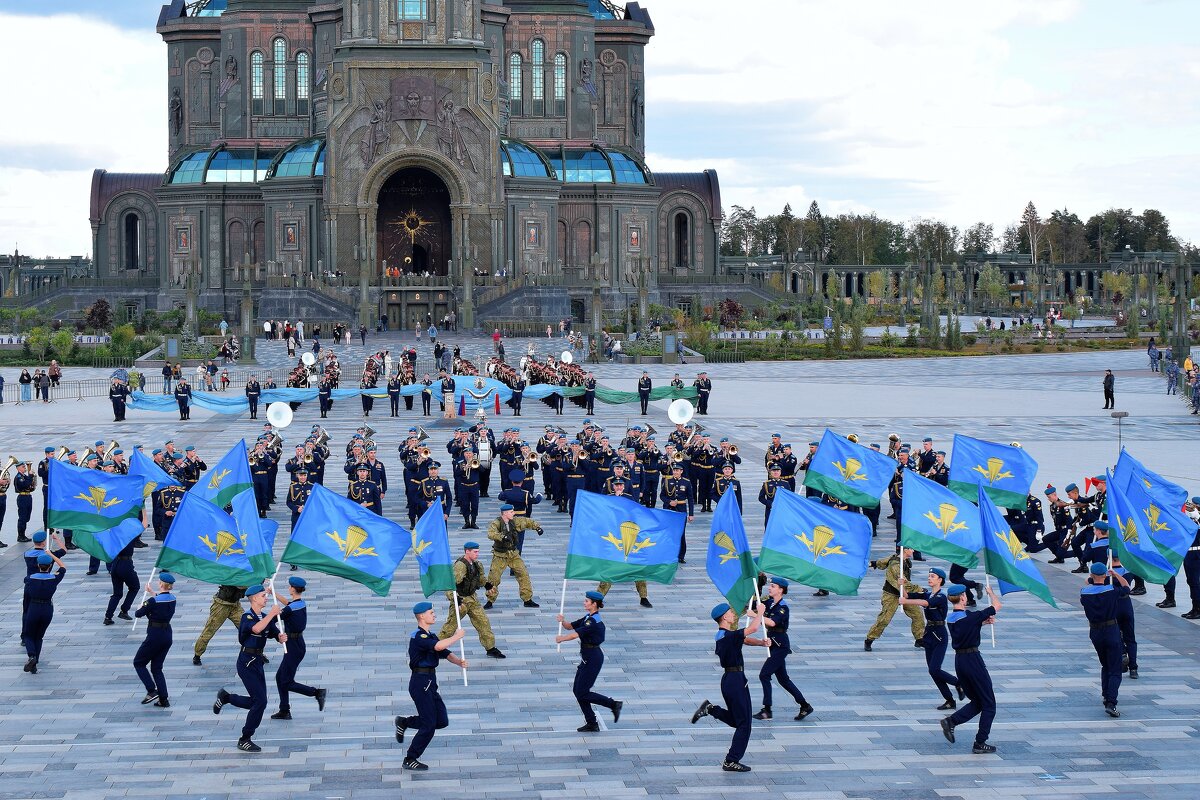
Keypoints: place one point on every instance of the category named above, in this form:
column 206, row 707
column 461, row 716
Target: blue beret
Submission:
column 99, row 443
column 1072, row 487
column 595, row 597
column 1101, row 525
column 719, row 611
column 506, row 507
column 927, row 439
column 776, row 435
column 1050, row 490
column 941, row 452
column 471, row 546
column 724, row 439
column 45, row 559
column 253, row 590
column 39, row 536
column 1196, row 501
column 782, row 583
column 108, row 463
column 941, row 573
column 906, row 450
column 649, row 438
column 372, row 449
column 1099, row 568
column 956, row 589
column 422, row 607
column 814, row 444
column 517, row 475
column 874, row 446
column 118, row 452
column 587, row 421
column 49, row 449
column 95, row 457
column 297, row 581
column 190, row 448
column 137, row 447
column 176, row 456
column 166, row 577
column 1100, row 479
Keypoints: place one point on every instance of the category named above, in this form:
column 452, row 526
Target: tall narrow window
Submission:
column 279, row 63
column 560, row 85
column 133, row 241
column 302, row 89
column 413, row 9
column 256, row 82
column 682, row 239
column 537, row 76
column 515, row 90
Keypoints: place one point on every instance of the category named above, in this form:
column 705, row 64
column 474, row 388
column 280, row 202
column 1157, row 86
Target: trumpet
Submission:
column 424, row 452
column 532, row 460
column 61, row 455
column 473, row 462
column 12, row 462
column 678, row 458
column 733, row 449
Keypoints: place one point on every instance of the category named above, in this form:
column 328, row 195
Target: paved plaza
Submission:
column 77, row 730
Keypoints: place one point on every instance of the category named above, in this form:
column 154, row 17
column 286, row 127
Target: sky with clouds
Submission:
column 937, row 108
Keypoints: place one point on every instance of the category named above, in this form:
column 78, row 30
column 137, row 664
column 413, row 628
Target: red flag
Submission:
column 1087, row 485
column 462, row 406
column 497, row 404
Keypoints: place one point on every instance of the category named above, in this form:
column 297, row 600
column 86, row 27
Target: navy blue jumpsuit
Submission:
column 774, row 666
column 295, row 620
column 1101, row 603
column 1125, row 620
column 250, row 670
column 124, row 575
column 973, row 677
column 735, row 691
column 591, row 658
column 158, row 611
column 39, row 591
column 431, row 715
column 936, row 640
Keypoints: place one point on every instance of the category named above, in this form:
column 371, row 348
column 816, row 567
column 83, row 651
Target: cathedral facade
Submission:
column 420, row 151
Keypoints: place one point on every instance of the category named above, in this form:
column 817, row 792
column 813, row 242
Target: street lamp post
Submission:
column 1118, row 416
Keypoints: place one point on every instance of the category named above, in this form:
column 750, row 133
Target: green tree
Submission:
column 38, row 340
column 991, row 285
column 979, row 238
column 1032, row 227
column 816, row 233
column 788, row 233
column 1065, row 239
column 739, row 231
column 63, row 343
column 1118, row 285
column 122, row 338
column 876, row 285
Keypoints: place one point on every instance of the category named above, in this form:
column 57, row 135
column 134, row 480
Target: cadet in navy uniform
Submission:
column 734, row 689
column 1129, row 661
column 325, row 397
column 435, row 489
column 39, row 591
column 123, row 574
column 183, row 397
column 158, row 610
column 643, row 387
column 936, row 637
column 253, row 631
column 703, row 390
column 393, row 389
column 766, row 495
column 1101, row 603
column 589, row 630
column 517, row 395
column 467, row 492
column 426, row 394
column 775, row 615
column 726, row 483
column 32, row 555
column 117, row 393
column 589, row 394
column 365, row 491
column 295, row 619
column 1097, row 549
column 973, row 677
column 23, row 484
column 253, row 392
column 677, row 496
column 425, row 650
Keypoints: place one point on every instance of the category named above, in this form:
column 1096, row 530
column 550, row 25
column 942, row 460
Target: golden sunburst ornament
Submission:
column 411, row 225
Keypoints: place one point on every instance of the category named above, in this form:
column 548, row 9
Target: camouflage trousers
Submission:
column 889, row 603
column 218, row 612
column 639, row 585
column 471, row 609
column 501, row 563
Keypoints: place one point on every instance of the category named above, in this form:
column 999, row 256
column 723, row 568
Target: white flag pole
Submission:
column 462, row 647
column 145, row 594
column 987, row 581
column 275, row 597
column 562, row 606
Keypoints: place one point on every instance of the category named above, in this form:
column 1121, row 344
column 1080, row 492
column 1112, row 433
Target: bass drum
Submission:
column 485, row 453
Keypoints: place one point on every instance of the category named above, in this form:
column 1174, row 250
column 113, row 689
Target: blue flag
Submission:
column 816, row 544
column 936, row 521
column 1129, row 471
column 1004, row 471
column 431, row 543
column 730, row 565
column 616, row 540
column 105, row 545
column 258, row 533
column 153, row 476
column 89, row 500
column 229, row 478
column 1171, row 530
column 339, row 537
column 1004, row 555
column 207, row 544
column 852, row 473
column 1130, row 536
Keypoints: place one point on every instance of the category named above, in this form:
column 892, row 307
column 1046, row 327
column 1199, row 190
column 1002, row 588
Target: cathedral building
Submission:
column 406, row 157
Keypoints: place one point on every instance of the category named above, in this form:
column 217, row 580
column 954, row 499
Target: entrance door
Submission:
column 416, row 316
column 413, row 223
column 394, row 315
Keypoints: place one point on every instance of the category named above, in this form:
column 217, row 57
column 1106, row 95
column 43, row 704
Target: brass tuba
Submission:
column 62, row 453
column 8, row 465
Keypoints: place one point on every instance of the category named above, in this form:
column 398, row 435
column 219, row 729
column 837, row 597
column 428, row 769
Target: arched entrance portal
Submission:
column 413, row 225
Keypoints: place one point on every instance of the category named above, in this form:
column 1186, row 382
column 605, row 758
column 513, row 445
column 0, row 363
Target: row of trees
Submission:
column 1060, row 238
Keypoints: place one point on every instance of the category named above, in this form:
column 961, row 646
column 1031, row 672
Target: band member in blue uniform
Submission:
column 253, row 392
column 1101, row 601
column 1125, row 621
column 183, row 398
column 255, row 628
column 295, row 619
column 973, row 677
column 589, row 630
column 937, row 637
column 775, row 617
column 425, row 650
column 158, row 610
column 678, row 495
column 118, row 393
column 39, row 595
column 123, row 575
column 734, row 689
column 643, row 388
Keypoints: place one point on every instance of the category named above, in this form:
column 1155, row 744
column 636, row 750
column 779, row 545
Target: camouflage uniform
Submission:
column 468, row 578
column 226, row 605
column 506, row 556
column 890, row 597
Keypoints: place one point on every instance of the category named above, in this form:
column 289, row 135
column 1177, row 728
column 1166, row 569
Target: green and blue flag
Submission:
column 936, row 521
column 616, row 540
column 90, row 501
column 339, row 537
column 259, row 534
column 1171, row 530
column 1004, row 471
column 854, row 474
column 1130, row 537
column 1130, row 471
column 207, row 544
column 153, row 476
column 431, row 543
column 815, row 544
column 229, row 478
column 105, row 545
column 730, row 565
column 1004, row 555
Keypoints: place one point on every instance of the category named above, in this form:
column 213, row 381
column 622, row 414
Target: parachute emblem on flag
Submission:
column 1129, row 532
column 725, row 542
column 819, row 544
column 352, row 545
column 850, row 470
column 96, row 499
column 1152, row 517
column 628, row 544
column 224, row 546
column 214, row 482
column 994, row 472
column 945, row 522
column 1014, row 545
column 419, row 544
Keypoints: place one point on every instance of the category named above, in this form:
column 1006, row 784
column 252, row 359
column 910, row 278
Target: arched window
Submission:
column 279, row 63
column 560, row 85
column 256, row 81
column 132, row 241
column 515, row 90
column 302, row 89
column 537, row 76
column 681, row 238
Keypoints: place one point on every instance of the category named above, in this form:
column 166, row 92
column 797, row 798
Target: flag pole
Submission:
column 462, row 647
column 275, row 597
column 562, row 606
column 987, row 581
column 145, row 594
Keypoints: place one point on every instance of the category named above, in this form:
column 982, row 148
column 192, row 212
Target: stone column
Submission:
column 1180, row 341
